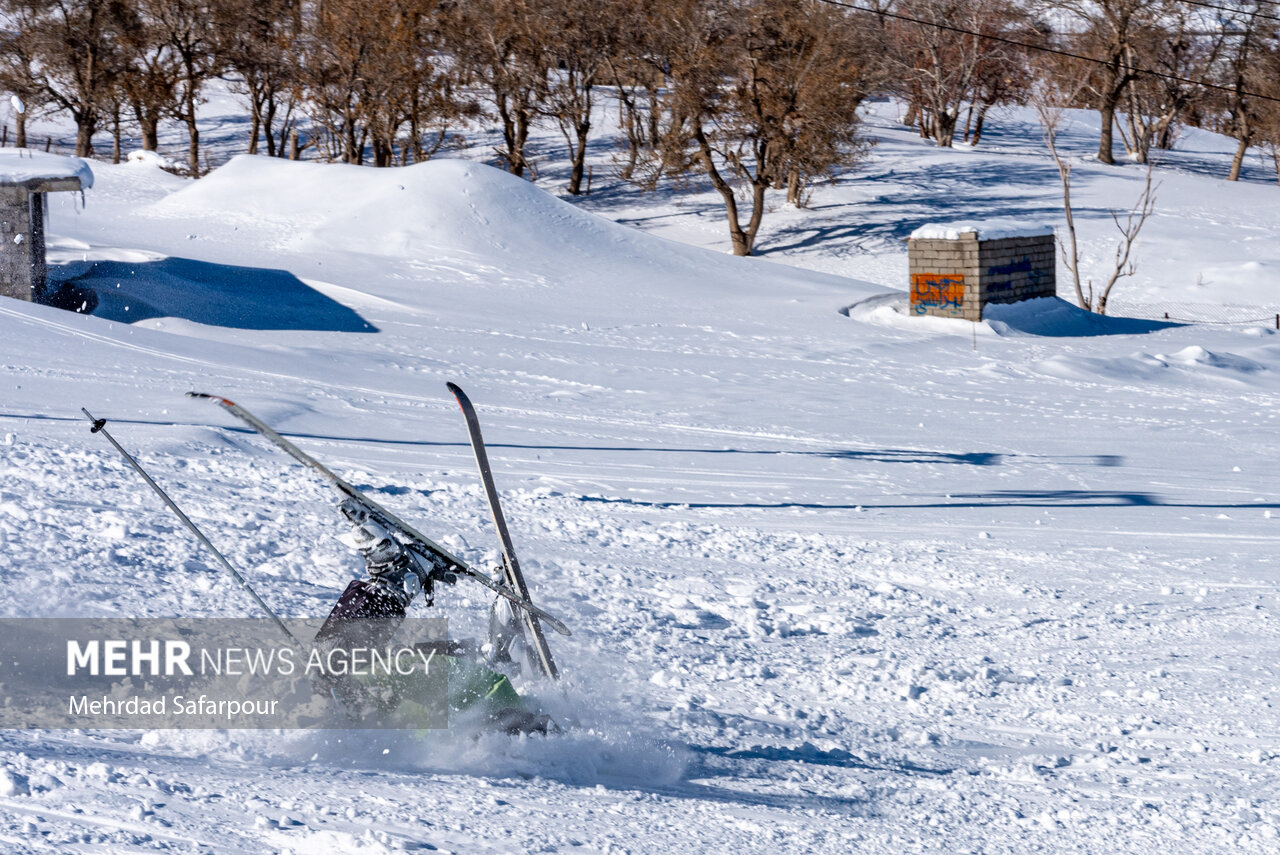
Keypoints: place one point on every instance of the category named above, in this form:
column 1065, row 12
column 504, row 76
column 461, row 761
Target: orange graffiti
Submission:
column 936, row 291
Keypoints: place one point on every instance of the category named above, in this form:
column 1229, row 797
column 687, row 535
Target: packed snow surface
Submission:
column 840, row 579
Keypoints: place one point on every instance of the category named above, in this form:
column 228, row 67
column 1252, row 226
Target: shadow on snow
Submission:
column 222, row 295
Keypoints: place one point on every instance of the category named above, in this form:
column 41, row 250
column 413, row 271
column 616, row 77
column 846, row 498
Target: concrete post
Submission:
column 15, row 243
column 955, row 272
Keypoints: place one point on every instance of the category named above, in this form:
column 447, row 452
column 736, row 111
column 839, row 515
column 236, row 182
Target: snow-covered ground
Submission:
column 840, row 579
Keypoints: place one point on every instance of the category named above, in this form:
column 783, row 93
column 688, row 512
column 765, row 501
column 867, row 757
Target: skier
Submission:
column 369, row 611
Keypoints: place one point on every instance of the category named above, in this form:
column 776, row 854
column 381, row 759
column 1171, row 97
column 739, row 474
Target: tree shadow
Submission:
column 874, row 455
column 222, row 295
column 960, row 501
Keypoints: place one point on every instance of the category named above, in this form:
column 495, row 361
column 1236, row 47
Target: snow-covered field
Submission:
column 839, row 579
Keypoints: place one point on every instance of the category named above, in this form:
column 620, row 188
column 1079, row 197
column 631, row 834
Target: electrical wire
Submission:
column 1238, row 11
column 1136, row 70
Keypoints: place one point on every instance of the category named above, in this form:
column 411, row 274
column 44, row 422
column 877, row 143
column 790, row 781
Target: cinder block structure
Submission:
column 25, row 177
column 957, row 270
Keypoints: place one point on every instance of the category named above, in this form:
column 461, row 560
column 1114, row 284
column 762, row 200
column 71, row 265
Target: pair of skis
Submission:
column 514, row 588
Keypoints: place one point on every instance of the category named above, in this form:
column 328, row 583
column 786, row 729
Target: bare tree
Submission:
column 1181, row 54
column 1251, row 37
column 1265, row 80
column 1108, row 30
column 373, row 68
column 580, row 40
column 185, row 29
column 258, row 41
column 1049, row 102
column 74, row 47
column 763, row 91
column 19, row 75
column 148, row 79
column 499, row 45
column 940, row 69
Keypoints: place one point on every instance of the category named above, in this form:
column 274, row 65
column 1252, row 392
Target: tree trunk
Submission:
column 795, row 190
column 944, row 128
column 579, row 158
column 631, row 126
column 1107, row 114
column 193, row 144
column 982, row 119
column 349, row 150
column 84, row 137
column 1237, row 160
column 383, row 152
column 115, row 135
column 255, row 130
column 150, row 131
column 913, row 113
column 268, row 125
column 758, row 188
column 741, row 241
column 655, row 132
column 20, row 140
column 521, row 139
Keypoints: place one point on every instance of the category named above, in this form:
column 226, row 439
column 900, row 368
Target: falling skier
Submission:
column 369, row 611
column 402, row 563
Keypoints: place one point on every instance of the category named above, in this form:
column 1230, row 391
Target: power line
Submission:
column 1257, row 14
column 1136, row 70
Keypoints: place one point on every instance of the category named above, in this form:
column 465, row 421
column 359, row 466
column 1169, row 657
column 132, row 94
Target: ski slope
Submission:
column 840, row 579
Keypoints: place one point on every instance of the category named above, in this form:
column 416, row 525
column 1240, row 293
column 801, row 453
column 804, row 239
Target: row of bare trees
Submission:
column 1148, row 67
column 751, row 95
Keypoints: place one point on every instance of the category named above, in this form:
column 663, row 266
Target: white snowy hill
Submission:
column 839, row 580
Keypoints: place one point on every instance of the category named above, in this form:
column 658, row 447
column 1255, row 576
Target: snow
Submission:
column 840, row 578
column 142, row 157
column 24, row 165
column 982, row 231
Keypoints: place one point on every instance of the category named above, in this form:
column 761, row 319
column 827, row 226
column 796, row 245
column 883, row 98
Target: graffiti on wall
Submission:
column 1000, row 272
column 1021, row 266
column 936, row 291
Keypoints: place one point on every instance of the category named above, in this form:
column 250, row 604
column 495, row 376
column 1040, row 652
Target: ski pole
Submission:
column 100, row 426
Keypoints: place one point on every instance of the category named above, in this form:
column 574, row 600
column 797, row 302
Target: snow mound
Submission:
column 1053, row 316
column 1047, row 317
column 442, row 208
column 1198, row 356
column 141, row 157
column 1192, row 363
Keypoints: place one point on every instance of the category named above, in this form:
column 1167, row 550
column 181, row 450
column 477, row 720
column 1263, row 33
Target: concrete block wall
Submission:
column 956, row 273
column 16, row 244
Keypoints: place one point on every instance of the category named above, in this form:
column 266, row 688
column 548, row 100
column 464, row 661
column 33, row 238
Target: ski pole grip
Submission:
column 98, row 424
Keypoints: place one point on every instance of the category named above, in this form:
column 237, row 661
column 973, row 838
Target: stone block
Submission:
column 958, row 278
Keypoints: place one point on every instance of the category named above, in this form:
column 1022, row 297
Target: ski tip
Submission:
column 209, row 397
column 460, row 395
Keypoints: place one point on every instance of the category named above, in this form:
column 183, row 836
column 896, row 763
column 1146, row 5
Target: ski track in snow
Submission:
column 838, row 582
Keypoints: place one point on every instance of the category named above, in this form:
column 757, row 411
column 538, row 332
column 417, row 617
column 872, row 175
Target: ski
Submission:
column 437, row 557
column 510, row 566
